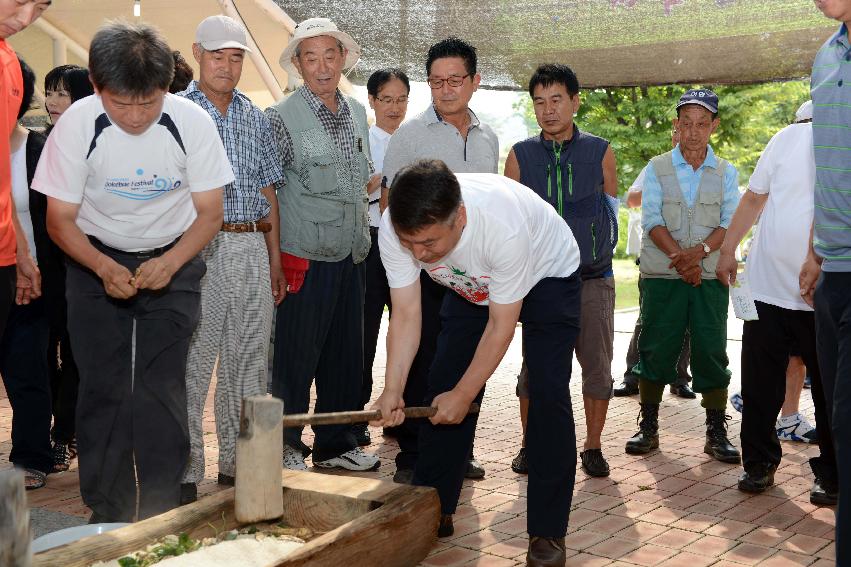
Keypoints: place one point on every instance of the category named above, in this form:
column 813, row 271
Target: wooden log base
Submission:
column 368, row 522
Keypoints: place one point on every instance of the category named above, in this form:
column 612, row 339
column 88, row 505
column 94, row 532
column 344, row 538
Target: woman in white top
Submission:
column 23, row 348
column 388, row 91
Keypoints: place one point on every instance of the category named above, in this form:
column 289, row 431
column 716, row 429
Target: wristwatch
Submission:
column 706, row 248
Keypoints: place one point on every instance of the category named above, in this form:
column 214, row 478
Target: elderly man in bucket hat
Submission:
column 323, row 139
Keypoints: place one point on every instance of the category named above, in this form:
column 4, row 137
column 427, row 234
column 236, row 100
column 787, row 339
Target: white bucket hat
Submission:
column 314, row 27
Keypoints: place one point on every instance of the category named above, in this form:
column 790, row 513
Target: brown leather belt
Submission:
column 258, row 226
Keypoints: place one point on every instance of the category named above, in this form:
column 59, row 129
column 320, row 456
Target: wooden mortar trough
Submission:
column 368, row 522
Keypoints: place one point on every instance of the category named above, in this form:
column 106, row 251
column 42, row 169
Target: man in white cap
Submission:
column 243, row 258
column 781, row 189
column 323, row 139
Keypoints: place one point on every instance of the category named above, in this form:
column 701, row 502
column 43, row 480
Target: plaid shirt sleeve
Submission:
column 271, row 171
column 283, row 146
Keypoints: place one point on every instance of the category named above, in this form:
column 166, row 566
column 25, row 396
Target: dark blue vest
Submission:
column 577, row 168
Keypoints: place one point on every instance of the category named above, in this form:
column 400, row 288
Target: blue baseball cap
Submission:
column 703, row 97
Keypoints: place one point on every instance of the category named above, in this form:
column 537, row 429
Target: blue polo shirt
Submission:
column 830, row 87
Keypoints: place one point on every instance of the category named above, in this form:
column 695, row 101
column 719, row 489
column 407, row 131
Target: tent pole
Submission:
column 229, row 9
column 56, row 34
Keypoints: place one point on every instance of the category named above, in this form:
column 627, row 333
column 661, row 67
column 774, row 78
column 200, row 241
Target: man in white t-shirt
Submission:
column 781, row 188
column 508, row 256
column 133, row 177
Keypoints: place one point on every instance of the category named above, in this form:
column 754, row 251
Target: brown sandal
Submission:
column 34, row 479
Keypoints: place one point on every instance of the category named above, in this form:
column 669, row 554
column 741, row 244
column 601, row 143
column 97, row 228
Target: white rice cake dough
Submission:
column 243, row 552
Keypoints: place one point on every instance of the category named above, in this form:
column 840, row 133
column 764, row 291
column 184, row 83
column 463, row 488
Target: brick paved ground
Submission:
column 672, row 507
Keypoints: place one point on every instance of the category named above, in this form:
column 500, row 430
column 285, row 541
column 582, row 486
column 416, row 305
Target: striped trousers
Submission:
column 236, row 321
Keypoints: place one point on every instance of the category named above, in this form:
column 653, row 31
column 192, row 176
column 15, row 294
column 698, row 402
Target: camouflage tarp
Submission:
column 607, row 42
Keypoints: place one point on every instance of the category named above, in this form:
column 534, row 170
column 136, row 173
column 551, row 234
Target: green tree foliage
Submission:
column 637, row 121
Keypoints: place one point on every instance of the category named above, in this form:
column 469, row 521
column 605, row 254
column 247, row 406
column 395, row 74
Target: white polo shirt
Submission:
column 133, row 191
column 786, row 171
column 513, row 239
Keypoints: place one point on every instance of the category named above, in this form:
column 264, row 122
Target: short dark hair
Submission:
column 183, row 74
column 72, row 78
column 384, row 76
column 424, row 193
column 29, row 88
column 130, row 59
column 452, row 47
column 554, row 73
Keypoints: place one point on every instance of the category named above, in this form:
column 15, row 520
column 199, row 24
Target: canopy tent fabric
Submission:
column 607, row 42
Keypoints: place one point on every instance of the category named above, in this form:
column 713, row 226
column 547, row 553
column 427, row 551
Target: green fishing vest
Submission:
column 688, row 226
column 324, row 205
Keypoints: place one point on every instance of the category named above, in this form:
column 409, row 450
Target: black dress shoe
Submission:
column 188, row 493
column 519, row 464
column 362, row 435
column 225, row 480
column 96, row 518
column 546, row 552
column 445, row 528
column 759, row 479
column 475, row 471
column 683, row 391
column 594, row 463
column 403, row 476
column 626, row 389
column 822, row 494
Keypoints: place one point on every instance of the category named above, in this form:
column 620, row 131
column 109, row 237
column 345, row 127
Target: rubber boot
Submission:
column 717, row 443
column 647, row 437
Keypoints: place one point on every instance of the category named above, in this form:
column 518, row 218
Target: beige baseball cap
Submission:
column 314, row 27
column 221, row 32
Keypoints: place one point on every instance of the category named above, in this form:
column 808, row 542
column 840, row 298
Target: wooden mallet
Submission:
column 258, row 495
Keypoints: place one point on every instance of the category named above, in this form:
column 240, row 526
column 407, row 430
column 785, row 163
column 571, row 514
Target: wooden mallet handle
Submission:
column 343, row 417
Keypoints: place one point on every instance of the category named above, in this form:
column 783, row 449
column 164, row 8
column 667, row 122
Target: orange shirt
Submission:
column 12, row 91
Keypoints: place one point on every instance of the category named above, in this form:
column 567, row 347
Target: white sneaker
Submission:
column 795, row 427
column 354, row 460
column 293, row 459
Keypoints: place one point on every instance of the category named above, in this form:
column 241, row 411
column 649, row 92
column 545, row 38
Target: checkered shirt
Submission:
column 248, row 139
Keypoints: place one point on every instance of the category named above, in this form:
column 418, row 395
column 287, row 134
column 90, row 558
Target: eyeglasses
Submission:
column 454, row 81
column 390, row 100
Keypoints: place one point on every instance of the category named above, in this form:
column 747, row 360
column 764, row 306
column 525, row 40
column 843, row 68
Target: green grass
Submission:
column 626, row 283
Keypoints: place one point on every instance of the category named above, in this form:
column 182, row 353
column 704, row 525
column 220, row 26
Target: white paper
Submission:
column 743, row 303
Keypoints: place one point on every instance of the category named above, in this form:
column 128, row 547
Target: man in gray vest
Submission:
column 689, row 199
column 449, row 131
column 323, row 139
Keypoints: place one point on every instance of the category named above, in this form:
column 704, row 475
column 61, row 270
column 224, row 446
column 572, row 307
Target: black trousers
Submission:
column 23, row 365
column 432, row 297
column 64, row 384
column 377, row 295
column 631, row 379
column 767, row 345
column 550, row 317
column 319, row 333
column 7, row 293
column 833, row 333
column 131, row 414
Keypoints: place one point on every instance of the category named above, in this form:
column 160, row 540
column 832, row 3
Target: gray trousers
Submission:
column 131, row 412
column 236, row 322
